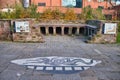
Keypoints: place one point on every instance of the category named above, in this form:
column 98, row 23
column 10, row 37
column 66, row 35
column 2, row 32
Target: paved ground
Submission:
column 66, row 46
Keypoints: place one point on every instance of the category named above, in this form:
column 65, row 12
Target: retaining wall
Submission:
column 32, row 36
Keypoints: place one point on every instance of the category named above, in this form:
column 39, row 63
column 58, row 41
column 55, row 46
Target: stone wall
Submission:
column 104, row 39
column 33, row 35
column 5, row 33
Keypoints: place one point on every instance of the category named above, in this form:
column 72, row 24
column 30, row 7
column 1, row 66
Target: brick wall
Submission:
column 95, row 4
column 58, row 4
column 8, row 3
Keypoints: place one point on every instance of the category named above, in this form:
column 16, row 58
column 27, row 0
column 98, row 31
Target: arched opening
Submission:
column 74, row 29
column 42, row 29
column 81, row 30
column 58, row 30
column 50, row 30
column 66, row 30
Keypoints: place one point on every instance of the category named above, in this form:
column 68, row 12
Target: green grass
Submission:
column 118, row 37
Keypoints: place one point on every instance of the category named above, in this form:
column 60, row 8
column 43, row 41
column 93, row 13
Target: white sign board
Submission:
column 21, row 26
column 110, row 28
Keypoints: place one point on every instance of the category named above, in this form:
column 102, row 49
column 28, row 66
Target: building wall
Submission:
column 96, row 4
column 58, row 4
column 62, row 9
column 8, row 3
column 48, row 2
column 117, row 9
column 42, row 1
column 53, row 4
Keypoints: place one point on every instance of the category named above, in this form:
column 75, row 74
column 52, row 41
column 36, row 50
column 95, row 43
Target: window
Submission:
column 72, row 3
column 100, row 0
column 101, row 7
column 41, row 4
column 89, row 0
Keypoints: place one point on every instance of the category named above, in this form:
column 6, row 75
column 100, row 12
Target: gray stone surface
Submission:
column 66, row 46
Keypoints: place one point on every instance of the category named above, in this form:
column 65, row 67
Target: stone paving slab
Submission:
column 63, row 46
column 66, row 77
column 89, row 78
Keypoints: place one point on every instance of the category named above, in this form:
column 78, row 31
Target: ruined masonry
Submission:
column 30, row 30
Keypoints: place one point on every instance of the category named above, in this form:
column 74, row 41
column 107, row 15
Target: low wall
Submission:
column 104, row 39
column 8, row 31
column 33, row 35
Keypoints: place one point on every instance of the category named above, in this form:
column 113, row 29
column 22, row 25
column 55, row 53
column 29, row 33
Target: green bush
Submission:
column 89, row 13
column 118, row 34
column 86, row 13
column 33, row 11
column 97, row 14
column 6, row 15
column 20, row 12
column 118, row 37
column 118, row 26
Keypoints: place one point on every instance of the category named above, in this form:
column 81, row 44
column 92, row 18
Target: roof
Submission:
column 61, row 24
column 91, row 26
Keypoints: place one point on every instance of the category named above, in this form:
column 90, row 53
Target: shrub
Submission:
column 86, row 13
column 97, row 14
column 6, row 15
column 56, row 14
column 70, row 15
column 118, row 34
column 118, row 37
column 89, row 13
column 118, row 26
column 33, row 11
column 47, row 14
column 19, row 11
